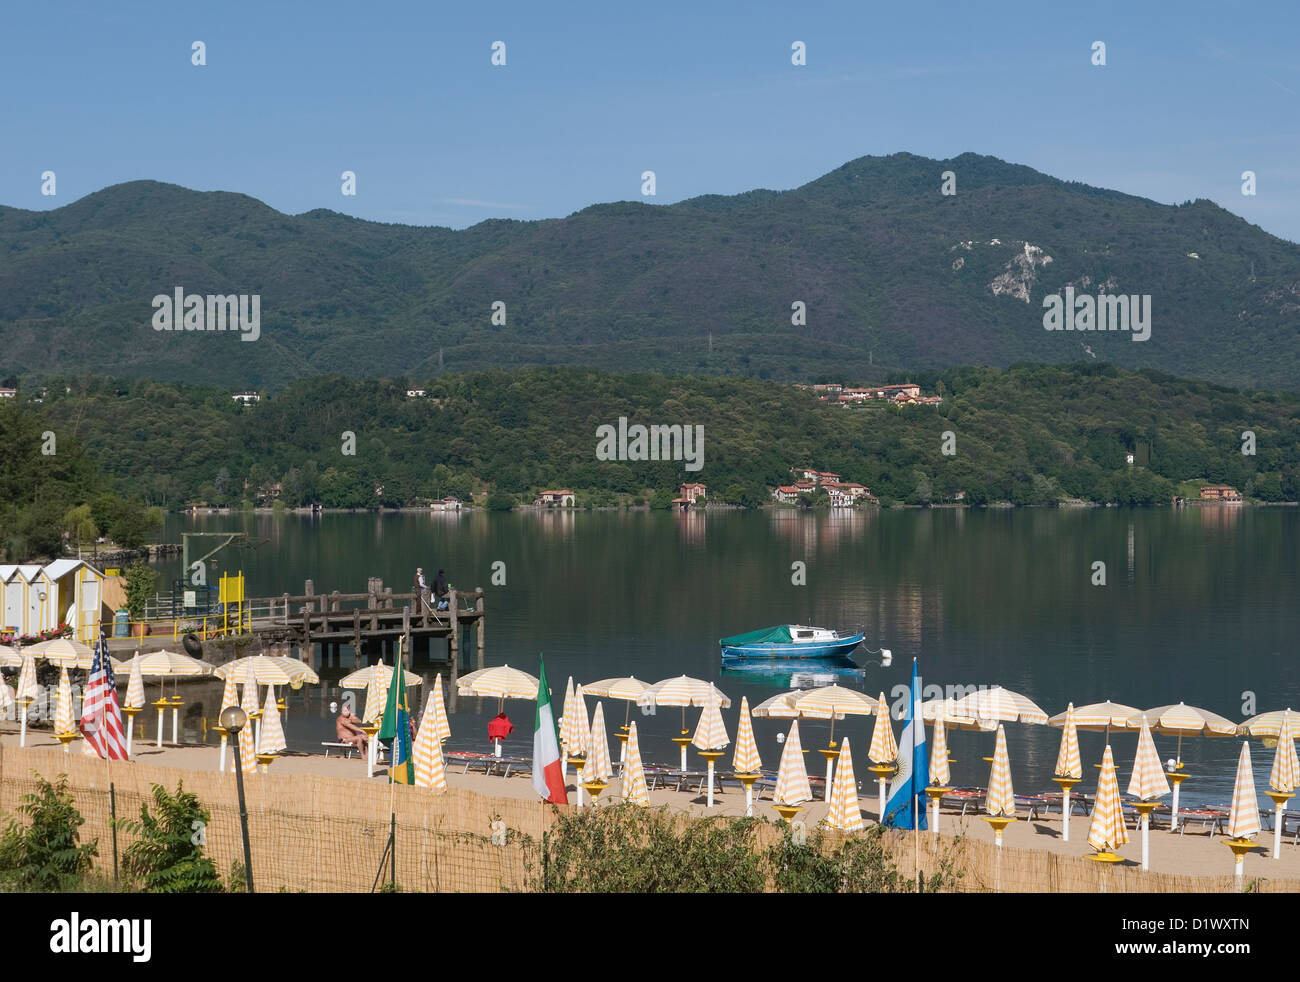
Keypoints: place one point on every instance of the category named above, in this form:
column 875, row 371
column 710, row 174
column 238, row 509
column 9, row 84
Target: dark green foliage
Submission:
column 139, row 588
column 497, row 501
column 872, row 247
column 168, row 855
column 46, row 856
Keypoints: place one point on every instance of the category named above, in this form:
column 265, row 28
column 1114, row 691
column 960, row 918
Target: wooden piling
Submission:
column 478, row 630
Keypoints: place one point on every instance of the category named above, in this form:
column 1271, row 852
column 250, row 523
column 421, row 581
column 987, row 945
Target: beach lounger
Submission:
column 1078, row 803
column 347, row 748
column 1206, row 816
column 478, row 762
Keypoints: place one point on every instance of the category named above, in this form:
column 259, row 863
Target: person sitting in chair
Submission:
column 349, row 730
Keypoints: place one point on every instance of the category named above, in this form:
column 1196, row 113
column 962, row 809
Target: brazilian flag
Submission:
column 397, row 727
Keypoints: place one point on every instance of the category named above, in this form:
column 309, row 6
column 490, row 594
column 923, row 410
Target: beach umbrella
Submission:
column 10, row 657
column 681, row 691
column 944, row 709
column 27, row 693
column 626, row 689
column 1107, row 832
column 65, row 728
column 575, row 735
column 1148, row 783
column 6, row 698
column 269, row 670
column 250, row 707
column 135, row 697
column 1069, row 768
column 1099, row 717
column 229, row 697
column 1000, row 800
column 598, row 769
column 163, row 665
column 1268, row 726
column 832, row 702
column 1283, row 778
column 745, row 761
column 1183, row 720
column 430, row 769
column 710, row 737
column 568, row 694
column 501, row 682
column 844, row 813
column 362, row 677
column 632, row 777
column 779, row 706
column 1243, row 816
column 247, row 741
column 65, row 652
column 443, row 726
column 940, row 773
column 271, row 739
column 1002, row 705
column 377, row 692
column 883, row 752
column 792, row 786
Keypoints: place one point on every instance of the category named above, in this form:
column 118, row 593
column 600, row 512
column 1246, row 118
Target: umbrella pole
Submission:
column 22, row 730
column 221, row 762
column 710, row 798
column 1065, row 812
column 130, row 732
column 830, row 771
column 880, row 816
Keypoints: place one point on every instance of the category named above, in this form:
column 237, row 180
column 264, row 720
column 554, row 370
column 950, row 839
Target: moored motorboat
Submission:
column 790, row 641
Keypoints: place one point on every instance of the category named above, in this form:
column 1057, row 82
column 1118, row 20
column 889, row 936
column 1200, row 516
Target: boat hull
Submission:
column 838, row 648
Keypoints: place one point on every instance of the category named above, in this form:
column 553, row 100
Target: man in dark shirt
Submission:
column 440, row 586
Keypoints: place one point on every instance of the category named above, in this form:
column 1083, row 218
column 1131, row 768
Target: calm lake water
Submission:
column 1199, row 606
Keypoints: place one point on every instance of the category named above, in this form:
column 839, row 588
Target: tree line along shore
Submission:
column 93, row 456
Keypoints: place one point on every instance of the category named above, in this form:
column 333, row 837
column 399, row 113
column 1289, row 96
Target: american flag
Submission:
column 101, row 722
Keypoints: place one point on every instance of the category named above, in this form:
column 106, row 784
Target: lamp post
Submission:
column 234, row 719
column 40, row 624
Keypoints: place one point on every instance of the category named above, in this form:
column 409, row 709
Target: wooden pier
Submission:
column 371, row 623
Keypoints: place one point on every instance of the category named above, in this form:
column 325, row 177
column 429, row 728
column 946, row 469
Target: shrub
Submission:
column 47, row 856
column 168, row 856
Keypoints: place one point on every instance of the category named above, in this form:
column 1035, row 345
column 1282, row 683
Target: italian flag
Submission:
column 548, row 781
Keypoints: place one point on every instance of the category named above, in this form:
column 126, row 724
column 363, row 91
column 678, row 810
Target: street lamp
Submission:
column 234, row 719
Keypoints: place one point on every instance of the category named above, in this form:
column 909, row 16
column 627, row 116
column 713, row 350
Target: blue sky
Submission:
column 592, row 94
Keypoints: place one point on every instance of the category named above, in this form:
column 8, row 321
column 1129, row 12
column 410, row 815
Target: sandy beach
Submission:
column 1193, row 853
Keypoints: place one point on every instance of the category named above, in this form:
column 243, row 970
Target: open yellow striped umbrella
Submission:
column 1183, row 720
column 269, row 670
column 171, row 664
column 1099, row 717
column 577, row 731
column 844, row 812
column 272, row 733
column 1148, row 779
column 135, row 697
column 710, row 732
column 1107, row 832
column 64, row 652
column 361, row 678
column 442, row 726
column 377, row 692
column 1268, row 726
column 1003, row 705
column 1001, row 798
column 779, row 706
column 626, row 689
column 9, row 657
column 63, row 721
column 941, row 708
column 681, row 691
column 884, row 748
column 598, row 766
column 635, row 791
column 833, row 702
column 940, row 773
column 792, row 785
column 746, row 759
column 430, row 770
column 1068, row 763
column 499, row 682
column 1243, row 816
column 1285, row 774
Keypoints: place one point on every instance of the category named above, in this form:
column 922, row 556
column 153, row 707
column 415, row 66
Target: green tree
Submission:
column 47, row 855
column 168, row 856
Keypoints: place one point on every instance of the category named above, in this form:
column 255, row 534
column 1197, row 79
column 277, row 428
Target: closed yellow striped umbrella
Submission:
column 1068, row 763
column 635, row 791
column 63, row 721
column 430, row 770
column 940, row 774
column 135, row 697
column 1107, row 832
column 247, row 743
column 792, row 785
column 271, row 740
column 1148, row 779
column 710, row 732
column 884, row 748
column 1285, row 774
column 442, row 726
column 1001, row 798
column 6, row 697
column 27, row 679
column 598, row 766
column 746, row 759
column 577, row 731
column 1243, row 817
column 229, row 694
column 377, row 692
column 568, row 698
column 844, row 812
column 249, row 701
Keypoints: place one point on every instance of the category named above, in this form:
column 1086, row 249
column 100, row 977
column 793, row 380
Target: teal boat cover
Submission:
column 768, row 635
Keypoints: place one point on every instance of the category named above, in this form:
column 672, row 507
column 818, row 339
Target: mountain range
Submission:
column 893, row 274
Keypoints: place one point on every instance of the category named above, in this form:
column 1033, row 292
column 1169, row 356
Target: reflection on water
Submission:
column 795, row 673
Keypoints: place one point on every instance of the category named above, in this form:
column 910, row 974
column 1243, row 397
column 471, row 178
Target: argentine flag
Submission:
column 905, row 807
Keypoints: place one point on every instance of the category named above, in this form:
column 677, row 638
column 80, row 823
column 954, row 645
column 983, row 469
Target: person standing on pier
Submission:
column 439, row 588
column 421, row 588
